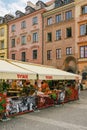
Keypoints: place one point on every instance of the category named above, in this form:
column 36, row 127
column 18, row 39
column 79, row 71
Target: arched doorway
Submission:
column 70, row 64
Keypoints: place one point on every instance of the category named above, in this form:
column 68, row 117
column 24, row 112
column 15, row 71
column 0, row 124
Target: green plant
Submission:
column 3, row 86
column 53, row 96
column 68, row 92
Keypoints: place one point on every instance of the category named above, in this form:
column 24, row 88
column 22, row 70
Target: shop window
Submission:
column 84, row 75
column 34, row 54
column 23, row 56
column 13, row 56
column 49, row 54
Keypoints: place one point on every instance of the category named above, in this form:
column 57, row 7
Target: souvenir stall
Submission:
column 28, row 85
column 45, row 73
column 10, row 105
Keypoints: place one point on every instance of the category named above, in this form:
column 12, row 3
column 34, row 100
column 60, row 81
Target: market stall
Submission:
column 24, row 96
column 9, row 71
column 51, row 73
column 47, row 72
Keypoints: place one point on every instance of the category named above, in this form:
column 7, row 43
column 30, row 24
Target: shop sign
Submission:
column 22, row 76
column 49, row 77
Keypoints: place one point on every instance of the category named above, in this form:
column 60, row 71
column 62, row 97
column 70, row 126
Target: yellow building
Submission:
column 3, row 38
column 4, row 35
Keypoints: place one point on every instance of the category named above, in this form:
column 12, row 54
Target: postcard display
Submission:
column 20, row 105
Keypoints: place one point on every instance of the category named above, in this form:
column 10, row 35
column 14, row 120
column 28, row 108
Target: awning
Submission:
column 47, row 72
column 10, row 71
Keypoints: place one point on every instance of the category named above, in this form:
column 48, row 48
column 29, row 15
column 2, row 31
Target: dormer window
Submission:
column 19, row 14
column 40, row 4
column 29, row 9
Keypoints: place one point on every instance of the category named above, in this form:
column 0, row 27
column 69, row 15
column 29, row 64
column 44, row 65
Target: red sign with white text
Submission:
column 49, row 77
column 22, row 76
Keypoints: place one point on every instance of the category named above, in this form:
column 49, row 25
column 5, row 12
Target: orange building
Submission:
column 60, row 46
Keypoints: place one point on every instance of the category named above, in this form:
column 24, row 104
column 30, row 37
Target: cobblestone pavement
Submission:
column 71, row 116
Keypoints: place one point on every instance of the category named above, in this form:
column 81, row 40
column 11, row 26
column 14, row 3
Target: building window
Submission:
column 2, row 57
column 69, row 32
column 83, row 52
column 13, row 42
column 2, row 32
column 68, row 15
column 13, row 28
column 68, row 50
column 23, row 40
column 58, row 18
column 49, row 37
column 83, row 29
column 34, row 20
column 58, row 34
column 2, row 44
column 34, row 54
column 35, row 37
column 84, row 9
column 49, row 54
column 13, row 56
column 49, row 21
column 58, row 53
column 23, row 56
column 23, row 24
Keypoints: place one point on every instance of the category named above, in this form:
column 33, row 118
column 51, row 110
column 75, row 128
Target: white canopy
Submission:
column 47, row 72
column 10, row 71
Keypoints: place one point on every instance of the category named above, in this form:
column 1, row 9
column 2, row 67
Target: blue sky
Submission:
column 10, row 6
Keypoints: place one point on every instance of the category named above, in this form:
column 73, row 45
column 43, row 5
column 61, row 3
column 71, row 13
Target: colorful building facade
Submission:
column 25, row 34
column 3, row 38
column 52, row 33
column 60, row 47
column 4, row 35
column 82, row 38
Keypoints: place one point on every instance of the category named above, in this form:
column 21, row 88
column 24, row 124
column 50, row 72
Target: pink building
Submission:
column 25, row 34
